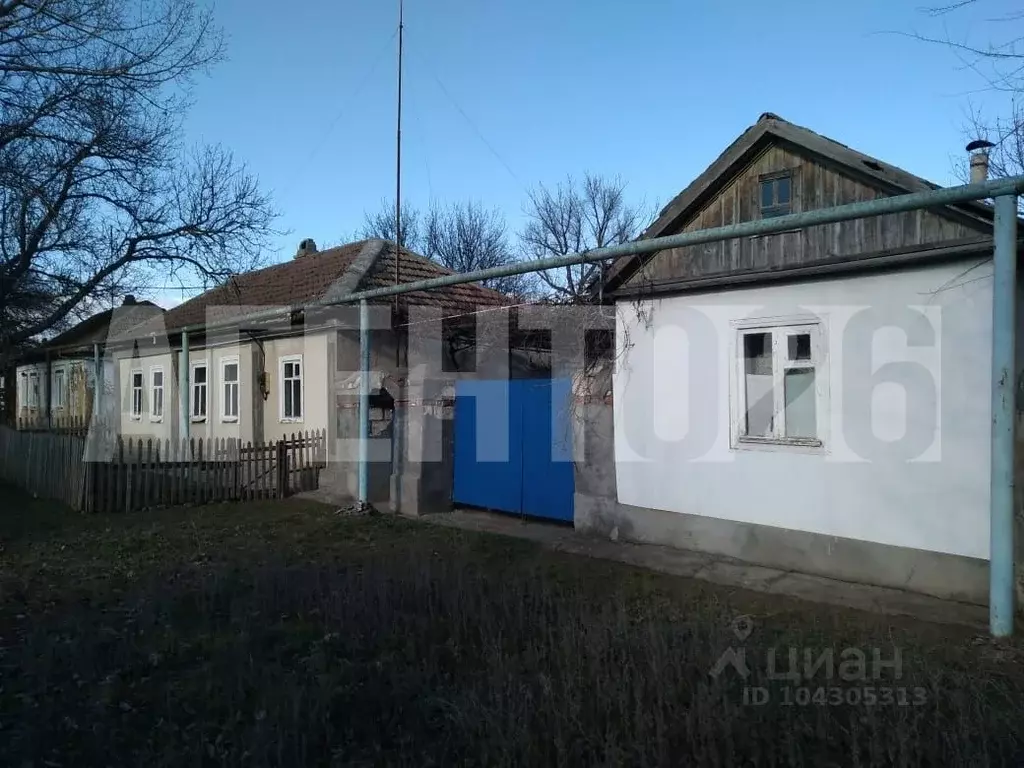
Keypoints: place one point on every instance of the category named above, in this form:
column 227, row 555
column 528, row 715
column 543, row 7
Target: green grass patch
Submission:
column 282, row 634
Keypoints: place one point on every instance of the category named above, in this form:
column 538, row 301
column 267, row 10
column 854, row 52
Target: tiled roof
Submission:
column 308, row 278
column 117, row 322
column 413, row 268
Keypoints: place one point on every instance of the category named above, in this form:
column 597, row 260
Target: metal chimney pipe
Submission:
column 978, row 150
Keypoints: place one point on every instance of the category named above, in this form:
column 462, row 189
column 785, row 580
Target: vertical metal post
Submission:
column 97, row 429
column 97, row 382
column 1004, row 376
column 183, row 371
column 364, row 401
column 49, row 392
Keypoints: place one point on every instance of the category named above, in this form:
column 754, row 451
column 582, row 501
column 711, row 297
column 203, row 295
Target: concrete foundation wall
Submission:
column 598, row 512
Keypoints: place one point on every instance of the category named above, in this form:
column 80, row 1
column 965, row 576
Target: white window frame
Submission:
column 224, row 363
column 59, row 385
column 136, row 413
column 302, row 388
column 153, row 400
column 781, row 328
column 34, row 390
column 193, row 386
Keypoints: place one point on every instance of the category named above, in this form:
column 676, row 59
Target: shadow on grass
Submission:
column 378, row 641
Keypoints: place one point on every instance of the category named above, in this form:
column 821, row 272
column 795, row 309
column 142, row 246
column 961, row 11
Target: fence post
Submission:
column 282, row 467
column 236, row 456
column 119, row 476
column 147, row 476
column 129, row 494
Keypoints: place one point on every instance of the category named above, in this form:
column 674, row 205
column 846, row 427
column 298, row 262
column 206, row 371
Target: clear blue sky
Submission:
column 502, row 95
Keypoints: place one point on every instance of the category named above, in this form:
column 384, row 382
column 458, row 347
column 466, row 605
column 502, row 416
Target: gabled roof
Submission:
column 772, row 129
column 116, row 322
column 330, row 274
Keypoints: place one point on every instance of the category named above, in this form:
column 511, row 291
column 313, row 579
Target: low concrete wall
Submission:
column 424, row 449
column 598, row 512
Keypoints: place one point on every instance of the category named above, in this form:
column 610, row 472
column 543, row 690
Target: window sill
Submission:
column 794, row 444
column 292, row 420
column 197, row 419
column 228, row 419
column 135, row 418
column 156, row 419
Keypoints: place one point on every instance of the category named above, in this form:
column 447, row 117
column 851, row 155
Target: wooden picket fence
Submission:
column 144, row 473
column 64, row 425
column 155, row 473
column 46, row 464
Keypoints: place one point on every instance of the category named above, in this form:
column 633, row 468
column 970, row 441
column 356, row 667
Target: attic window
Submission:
column 776, row 195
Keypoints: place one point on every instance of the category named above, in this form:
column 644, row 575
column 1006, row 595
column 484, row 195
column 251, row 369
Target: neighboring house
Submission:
column 54, row 381
column 266, row 380
column 817, row 399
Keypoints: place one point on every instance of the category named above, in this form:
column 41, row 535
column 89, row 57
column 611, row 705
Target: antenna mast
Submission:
column 398, row 152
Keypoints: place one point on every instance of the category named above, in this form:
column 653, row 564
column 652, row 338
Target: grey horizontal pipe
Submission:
column 866, row 209
column 879, row 207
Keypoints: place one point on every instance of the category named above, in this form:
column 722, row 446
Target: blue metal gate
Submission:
column 513, row 446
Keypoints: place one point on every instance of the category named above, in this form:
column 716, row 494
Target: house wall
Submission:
column 78, row 390
column 214, row 425
column 146, row 426
column 315, row 381
column 814, row 185
column 675, row 390
column 259, row 419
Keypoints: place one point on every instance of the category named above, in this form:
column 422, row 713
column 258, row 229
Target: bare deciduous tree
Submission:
column 382, row 223
column 95, row 193
column 573, row 218
column 461, row 236
column 467, row 237
column 998, row 62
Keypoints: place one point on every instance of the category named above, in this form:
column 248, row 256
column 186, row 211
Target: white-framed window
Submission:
column 136, row 381
column 229, row 388
column 781, row 391
column 291, row 388
column 33, row 389
column 59, row 388
column 197, row 406
column 156, row 393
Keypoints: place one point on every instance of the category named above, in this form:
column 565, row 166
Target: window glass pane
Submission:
column 782, row 188
column 298, row 400
column 202, row 402
column 233, row 402
column 199, row 375
column 757, row 368
column 287, row 402
column 800, row 346
column 801, row 417
column 136, row 379
column 757, row 353
column 158, row 378
column 231, row 372
column 767, row 194
column 288, row 370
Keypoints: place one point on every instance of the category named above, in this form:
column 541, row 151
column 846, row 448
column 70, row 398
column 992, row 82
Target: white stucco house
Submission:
column 54, row 383
column 816, row 400
column 260, row 379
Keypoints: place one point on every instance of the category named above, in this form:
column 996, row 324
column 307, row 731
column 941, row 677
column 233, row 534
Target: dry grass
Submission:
column 281, row 634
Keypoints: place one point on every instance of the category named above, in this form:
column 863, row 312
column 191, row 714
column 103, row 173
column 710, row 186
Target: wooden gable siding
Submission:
column 814, row 185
